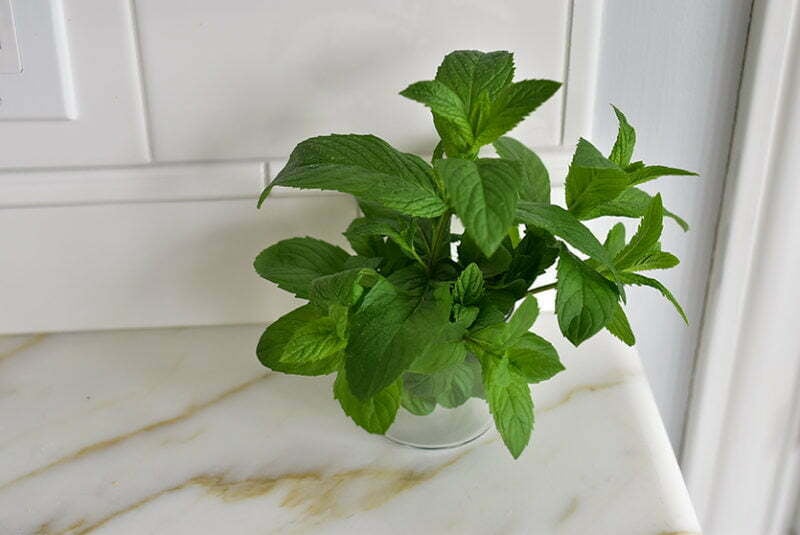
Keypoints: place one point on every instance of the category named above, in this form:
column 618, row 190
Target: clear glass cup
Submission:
column 442, row 409
column 442, row 428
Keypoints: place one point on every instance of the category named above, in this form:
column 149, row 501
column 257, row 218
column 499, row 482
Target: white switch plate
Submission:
column 9, row 52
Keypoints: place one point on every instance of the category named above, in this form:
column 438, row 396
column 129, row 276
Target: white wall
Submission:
column 135, row 209
column 674, row 68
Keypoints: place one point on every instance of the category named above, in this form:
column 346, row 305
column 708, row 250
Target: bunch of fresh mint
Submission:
column 405, row 321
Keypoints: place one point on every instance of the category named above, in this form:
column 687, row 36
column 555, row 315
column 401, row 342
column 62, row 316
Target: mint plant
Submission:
column 418, row 316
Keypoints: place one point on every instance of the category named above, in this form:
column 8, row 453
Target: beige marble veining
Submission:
column 11, row 345
column 181, row 431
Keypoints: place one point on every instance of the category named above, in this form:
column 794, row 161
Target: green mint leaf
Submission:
column 418, row 405
column 515, row 290
column 357, row 262
column 315, row 341
column 647, row 236
column 484, row 195
column 469, row 286
column 652, row 172
column 425, row 385
column 367, row 246
column 464, row 379
column 490, row 339
column 480, row 114
column 450, row 387
column 626, row 139
column 378, row 211
column 434, row 341
column 563, row 224
column 453, row 142
column 372, row 245
column 340, row 315
column 411, row 280
column 587, row 155
column 470, row 72
column 510, row 402
column 393, row 331
column 633, row 202
column 522, row 319
column 438, row 151
column 476, row 77
column 592, row 180
column 401, row 232
column 447, row 106
column 634, row 166
column 370, row 361
column 488, row 315
column 426, row 243
column 641, row 280
column 364, row 166
column 678, row 219
column 503, row 299
column 533, row 255
column 620, row 327
column 292, row 264
column 530, row 355
column 534, row 358
column 394, row 259
column 344, row 288
column 493, row 72
column 442, row 100
column 535, row 179
column 465, row 315
column 615, row 239
column 375, row 414
column 495, row 264
column 655, row 260
column 585, row 299
column 287, row 332
column 512, row 104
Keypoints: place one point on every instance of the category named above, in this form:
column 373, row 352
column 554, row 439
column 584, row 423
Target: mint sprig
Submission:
column 405, row 323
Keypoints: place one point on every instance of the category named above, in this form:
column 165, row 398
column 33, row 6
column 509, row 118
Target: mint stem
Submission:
column 442, row 227
column 544, row 288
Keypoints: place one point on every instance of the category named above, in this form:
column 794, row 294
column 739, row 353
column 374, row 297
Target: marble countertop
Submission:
column 177, row 431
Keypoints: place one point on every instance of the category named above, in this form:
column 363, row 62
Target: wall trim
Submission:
column 581, row 70
column 196, row 181
column 155, row 183
column 740, row 454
